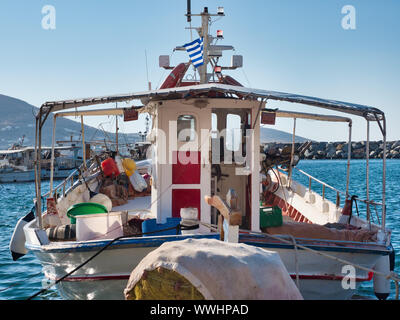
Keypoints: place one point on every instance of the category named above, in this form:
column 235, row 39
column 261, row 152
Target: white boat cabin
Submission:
column 201, row 149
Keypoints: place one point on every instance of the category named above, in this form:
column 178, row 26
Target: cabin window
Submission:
column 186, row 127
column 233, row 132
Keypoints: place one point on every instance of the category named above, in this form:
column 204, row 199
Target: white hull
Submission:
column 106, row 276
column 29, row 176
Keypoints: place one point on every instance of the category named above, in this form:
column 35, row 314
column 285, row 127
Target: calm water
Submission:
column 20, row 279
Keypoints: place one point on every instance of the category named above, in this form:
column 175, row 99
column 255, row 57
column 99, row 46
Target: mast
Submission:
column 205, row 17
column 116, row 129
column 209, row 50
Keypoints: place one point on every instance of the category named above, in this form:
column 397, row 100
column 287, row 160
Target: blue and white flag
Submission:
column 195, row 51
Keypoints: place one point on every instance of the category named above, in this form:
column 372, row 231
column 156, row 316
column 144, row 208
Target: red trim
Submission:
column 287, row 208
column 93, row 278
column 293, row 276
column 328, row 277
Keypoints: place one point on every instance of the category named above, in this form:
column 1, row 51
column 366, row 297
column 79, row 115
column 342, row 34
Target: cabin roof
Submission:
column 309, row 116
column 368, row 112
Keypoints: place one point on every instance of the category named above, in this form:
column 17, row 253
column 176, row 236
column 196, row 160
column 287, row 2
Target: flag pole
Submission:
column 204, row 33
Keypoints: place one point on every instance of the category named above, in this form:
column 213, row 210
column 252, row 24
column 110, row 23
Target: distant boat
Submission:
column 17, row 163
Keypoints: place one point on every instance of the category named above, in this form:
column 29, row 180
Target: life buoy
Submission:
column 175, row 76
column 231, row 81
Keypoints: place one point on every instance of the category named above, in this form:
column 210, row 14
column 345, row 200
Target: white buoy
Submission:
column 138, row 183
column 17, row 242
column 102, row 199
column 381, row 284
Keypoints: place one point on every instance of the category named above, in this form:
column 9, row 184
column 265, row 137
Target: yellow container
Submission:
column 129, row 166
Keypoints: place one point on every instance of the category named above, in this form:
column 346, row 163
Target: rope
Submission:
column 396, row 283
column 296, row 260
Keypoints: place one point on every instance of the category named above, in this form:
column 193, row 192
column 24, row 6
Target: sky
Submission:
column 99, row 48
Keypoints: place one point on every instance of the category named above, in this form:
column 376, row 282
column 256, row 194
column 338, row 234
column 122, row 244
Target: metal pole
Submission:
column 384, row 176
column 204, row 34
column 292, row 153
column 83, row 143
column 348, row 161
column 36, row 171
column 116, row 128
column 367, row 175
column 39, row 180
column 53, row 142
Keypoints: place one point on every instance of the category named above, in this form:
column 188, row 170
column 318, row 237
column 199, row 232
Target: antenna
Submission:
column 147, row 70
column 189, row 13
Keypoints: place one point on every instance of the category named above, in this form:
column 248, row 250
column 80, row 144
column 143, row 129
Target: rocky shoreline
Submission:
column 339, row 150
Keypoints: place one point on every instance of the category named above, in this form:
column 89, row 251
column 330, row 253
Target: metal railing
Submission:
column 338, row 192
column 67, row 184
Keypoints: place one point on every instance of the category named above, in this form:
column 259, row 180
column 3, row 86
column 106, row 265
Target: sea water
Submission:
column 23, row 278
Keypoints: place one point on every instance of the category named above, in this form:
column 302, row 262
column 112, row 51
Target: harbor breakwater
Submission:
column 339, row 150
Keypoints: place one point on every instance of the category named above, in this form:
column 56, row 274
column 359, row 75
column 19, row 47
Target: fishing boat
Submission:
column 16, row 164
column 205, row 153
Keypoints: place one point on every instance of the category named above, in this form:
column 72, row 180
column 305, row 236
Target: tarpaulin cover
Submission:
column 221, row 270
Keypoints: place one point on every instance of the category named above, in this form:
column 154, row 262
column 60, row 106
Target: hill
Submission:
column 18, row 120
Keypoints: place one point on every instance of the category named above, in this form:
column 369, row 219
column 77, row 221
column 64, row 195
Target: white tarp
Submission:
column 221, row 270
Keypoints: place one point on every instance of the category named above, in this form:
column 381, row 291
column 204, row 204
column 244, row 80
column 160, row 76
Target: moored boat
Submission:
column 206, row 159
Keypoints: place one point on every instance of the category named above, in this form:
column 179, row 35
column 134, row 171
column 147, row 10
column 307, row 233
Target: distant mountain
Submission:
column 273, row 135
column 17, row 119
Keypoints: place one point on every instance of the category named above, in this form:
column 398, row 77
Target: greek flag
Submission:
column 195, row 51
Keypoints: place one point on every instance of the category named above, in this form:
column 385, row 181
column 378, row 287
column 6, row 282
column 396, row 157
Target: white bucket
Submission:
column 99, row 226
column 189, row 217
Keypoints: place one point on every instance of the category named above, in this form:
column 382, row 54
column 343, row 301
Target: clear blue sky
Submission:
column 98, row 48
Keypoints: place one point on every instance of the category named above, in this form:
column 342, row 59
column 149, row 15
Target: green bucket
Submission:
column 85, row 208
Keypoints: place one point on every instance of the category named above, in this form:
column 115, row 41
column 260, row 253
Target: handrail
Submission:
column 319, row 181
column 70, row 179
column 334, row 189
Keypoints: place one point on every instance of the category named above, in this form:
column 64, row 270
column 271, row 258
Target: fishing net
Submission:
column 212, row 270
column 163, row 284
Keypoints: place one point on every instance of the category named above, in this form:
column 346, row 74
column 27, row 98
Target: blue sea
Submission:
column 21, row 279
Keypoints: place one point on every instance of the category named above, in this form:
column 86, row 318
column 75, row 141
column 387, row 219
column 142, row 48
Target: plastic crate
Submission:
column 270, row 217
column 151, row 225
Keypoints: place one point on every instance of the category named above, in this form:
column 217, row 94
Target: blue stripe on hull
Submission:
column 143, row 242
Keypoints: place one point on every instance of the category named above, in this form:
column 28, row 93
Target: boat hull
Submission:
column 106, row 276
column 29, row 176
